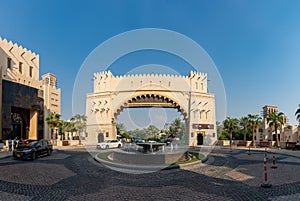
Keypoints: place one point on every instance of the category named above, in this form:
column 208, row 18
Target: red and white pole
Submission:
column 274, row 162
column 266, row 153
column 265, row 184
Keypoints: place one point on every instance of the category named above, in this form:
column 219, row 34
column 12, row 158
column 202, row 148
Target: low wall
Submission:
column 146, row 159
column 67, row 142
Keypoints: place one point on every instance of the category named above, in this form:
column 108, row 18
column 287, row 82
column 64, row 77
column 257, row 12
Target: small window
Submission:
column 107, row 134
column 20, row 67
column 8, row 62
column 196, row 85
column 30, row 71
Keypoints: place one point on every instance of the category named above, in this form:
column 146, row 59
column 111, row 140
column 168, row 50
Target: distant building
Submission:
column 25, row 100
column 286, row 133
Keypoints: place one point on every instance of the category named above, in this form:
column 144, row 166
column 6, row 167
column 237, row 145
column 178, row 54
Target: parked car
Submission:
column 33, row 150
column 297, row 146
column 109, row 144
column 167, row 141
column 139, row 140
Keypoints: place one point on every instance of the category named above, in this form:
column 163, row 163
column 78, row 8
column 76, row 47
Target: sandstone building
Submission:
column 187, row 94
column 286, row 133
column 25, row 100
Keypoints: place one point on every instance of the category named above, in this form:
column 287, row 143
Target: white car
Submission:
column 109, row 144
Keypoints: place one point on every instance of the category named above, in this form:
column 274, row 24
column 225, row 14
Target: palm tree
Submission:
column 297, row 114
column 79, row 123
column 68, row 126
column 53, row 121
column 275, row 119
column 121, row 128
column 231, row 124
column 175, row 127
column 152, row 131
column 254, row 123
column 244, row 121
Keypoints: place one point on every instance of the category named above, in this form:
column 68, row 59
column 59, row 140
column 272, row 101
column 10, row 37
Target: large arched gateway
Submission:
column 187, row 94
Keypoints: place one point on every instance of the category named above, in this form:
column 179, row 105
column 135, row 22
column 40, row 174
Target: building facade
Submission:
column 187, row 94
column 286, row 133
column 25, row 99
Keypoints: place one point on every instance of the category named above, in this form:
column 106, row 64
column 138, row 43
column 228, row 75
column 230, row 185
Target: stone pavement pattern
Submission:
column 74, row 175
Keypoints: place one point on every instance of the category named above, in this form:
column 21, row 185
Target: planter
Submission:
column 65, row 143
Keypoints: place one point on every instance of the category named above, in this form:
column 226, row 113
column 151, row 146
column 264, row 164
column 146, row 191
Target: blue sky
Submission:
column 254, row 44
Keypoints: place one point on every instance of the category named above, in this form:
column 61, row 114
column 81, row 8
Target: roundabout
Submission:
column 128, row 159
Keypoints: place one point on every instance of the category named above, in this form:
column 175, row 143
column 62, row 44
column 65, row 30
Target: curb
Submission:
column 4, row 157
column 271, row 151
column 147, row 168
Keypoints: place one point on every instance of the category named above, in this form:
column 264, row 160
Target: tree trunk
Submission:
column 277, row 140
column 244, row 134
column 253, row 139
column 51, row 130
column 230, row 142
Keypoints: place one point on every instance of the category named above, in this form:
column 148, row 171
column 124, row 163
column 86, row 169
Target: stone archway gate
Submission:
column 187, row 94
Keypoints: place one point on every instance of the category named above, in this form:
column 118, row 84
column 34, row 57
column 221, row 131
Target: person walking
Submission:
column 20, row 143
column 10, row 145
column 15, row 142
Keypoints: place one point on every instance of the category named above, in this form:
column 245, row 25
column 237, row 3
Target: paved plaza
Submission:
column 72, row 174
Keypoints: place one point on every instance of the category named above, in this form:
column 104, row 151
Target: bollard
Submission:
column 274, row 162
column 266, row 156
column 265, row 184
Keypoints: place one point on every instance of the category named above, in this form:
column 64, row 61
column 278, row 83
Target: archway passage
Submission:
column 151, row 100
column 187, row 94
column 144, row 118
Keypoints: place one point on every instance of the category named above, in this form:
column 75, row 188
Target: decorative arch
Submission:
column 147, row 100
column 112, row 94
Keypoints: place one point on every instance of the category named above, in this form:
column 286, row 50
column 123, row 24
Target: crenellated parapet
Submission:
column 19, row 52
column 19, row 64
column 106, row 81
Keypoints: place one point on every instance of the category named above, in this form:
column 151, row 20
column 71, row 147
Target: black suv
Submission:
column 33, row 150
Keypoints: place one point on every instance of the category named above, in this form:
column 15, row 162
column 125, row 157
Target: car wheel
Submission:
column 49, row 152
column 106, row 147
column 119, row 146
column 33, row 156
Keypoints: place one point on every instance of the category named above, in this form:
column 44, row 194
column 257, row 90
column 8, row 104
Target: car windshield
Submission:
column 31, row 144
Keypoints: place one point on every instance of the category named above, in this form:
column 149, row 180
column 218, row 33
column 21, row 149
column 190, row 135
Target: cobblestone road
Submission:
column 74, row 175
